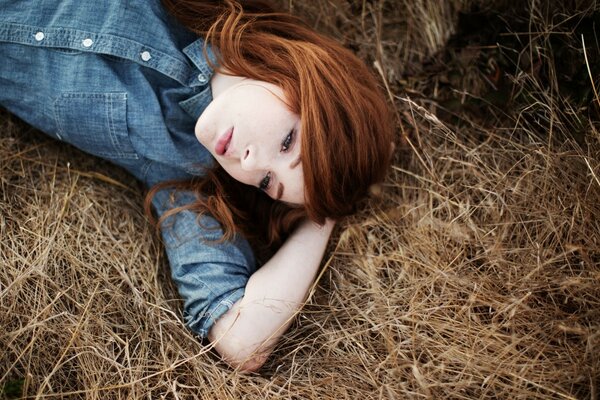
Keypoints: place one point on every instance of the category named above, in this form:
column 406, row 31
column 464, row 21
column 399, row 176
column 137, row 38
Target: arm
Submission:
column 247, row 333
column 210, row 275
column 241, row 310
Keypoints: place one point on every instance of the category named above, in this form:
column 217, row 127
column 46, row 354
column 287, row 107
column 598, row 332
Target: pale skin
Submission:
column 262, row 146
column 254, row 136
column 247, row 333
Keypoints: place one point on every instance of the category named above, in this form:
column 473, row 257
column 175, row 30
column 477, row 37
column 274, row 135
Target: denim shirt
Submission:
column 122, row 80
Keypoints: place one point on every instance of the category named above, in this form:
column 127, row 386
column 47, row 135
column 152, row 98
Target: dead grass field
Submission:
column 475, row 272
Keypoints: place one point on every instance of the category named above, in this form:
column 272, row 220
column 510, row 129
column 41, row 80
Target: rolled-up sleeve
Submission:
column 210, row 276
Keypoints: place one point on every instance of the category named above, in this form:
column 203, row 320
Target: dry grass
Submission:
column 476, row 274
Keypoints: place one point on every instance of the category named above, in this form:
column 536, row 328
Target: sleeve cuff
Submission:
column 201, row 323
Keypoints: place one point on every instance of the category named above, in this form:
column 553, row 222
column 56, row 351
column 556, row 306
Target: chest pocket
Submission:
column 95, row 123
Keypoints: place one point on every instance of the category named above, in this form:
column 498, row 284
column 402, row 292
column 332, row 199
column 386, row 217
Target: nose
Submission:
column 249, row 158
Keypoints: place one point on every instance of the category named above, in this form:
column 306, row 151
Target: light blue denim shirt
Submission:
column 122, row 80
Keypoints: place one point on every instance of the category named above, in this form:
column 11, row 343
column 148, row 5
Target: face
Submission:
column 255, row 137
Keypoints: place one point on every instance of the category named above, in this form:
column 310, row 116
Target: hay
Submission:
column 474, row 274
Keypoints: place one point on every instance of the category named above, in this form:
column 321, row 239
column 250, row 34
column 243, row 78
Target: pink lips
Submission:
column 224, row 142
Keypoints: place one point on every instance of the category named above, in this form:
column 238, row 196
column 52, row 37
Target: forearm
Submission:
column 245, row 335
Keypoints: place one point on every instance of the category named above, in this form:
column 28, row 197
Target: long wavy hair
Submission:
column 347, row 126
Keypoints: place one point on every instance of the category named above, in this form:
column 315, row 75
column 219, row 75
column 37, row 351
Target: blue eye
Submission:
column 265, row 182
column 287, row 142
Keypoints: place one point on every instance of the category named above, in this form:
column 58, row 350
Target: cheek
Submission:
column 295, row 192
column 240, row 175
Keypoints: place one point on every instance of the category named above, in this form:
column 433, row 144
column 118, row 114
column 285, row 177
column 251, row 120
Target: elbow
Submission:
column 247, row 365
column 242, row 356
column 240, row 349
column 246, row 339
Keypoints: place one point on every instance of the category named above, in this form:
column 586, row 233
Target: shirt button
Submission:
column 202, row 78
column 87, row 42
column 145, row 55
column 39, row 36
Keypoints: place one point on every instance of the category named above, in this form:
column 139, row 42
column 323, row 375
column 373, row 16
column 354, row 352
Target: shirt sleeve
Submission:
column 210, row 275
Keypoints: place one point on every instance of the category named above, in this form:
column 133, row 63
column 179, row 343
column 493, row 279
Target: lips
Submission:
column 224, row 141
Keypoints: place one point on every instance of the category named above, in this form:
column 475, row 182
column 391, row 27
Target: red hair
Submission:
column 347, row 126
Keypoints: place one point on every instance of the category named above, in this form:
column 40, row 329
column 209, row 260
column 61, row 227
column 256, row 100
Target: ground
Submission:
column 472, row 272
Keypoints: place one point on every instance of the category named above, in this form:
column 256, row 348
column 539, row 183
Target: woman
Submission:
column 245, row 123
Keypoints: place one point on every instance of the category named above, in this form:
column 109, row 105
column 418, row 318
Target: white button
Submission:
column 145, row 55
column 87, row 42
column 39, row 36
column 202, row 78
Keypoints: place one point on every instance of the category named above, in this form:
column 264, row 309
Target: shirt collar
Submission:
column 195, row 53
column 200, row 78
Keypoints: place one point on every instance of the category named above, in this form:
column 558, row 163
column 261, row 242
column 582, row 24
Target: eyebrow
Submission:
column 280, row 188
column 295, row 163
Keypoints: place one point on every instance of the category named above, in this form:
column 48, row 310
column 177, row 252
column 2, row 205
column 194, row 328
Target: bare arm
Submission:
column 247, row 333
